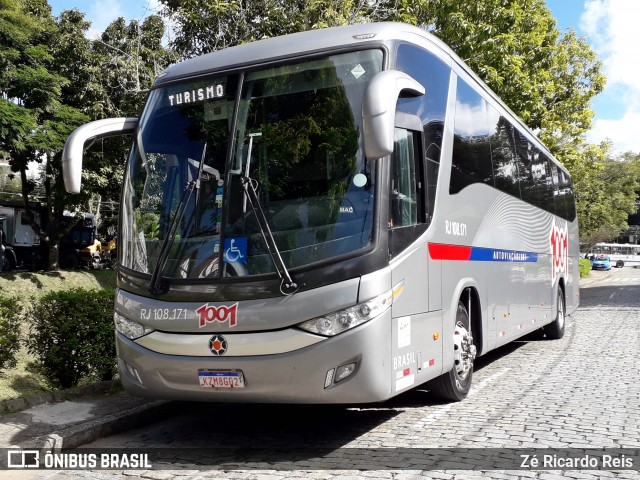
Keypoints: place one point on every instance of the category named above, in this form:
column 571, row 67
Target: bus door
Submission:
column 415, row 353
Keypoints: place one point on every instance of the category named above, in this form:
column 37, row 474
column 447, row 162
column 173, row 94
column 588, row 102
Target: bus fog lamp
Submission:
column 129, row 328
column 340, row 321
column 344, row 371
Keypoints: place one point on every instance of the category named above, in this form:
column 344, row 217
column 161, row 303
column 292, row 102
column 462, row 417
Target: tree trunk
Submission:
column 53, row 263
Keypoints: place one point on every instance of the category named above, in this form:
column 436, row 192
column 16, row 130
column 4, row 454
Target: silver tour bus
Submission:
column 334, row 216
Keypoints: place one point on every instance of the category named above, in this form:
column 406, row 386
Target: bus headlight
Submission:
column 338, row 322
column 129, row 328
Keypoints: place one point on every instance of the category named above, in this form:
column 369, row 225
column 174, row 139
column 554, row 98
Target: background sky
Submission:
column 610, row 26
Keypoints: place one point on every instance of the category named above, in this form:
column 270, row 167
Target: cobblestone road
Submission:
column 581, row 391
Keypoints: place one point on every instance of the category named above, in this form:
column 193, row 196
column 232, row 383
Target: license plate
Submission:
column 221, row 378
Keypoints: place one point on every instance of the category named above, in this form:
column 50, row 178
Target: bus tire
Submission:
column 555, row 330
column 455, row 384
column 619, row 264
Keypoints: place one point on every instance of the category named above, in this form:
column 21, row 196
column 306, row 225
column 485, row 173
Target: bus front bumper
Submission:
column 299, row 376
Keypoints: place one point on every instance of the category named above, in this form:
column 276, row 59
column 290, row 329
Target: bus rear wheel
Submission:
column 619, row 264
column 455, row 385
column 555, row 330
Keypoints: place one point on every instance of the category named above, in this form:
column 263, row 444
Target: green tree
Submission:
column 34, row 120
column 53, row 79
column 10, row 186
column 128, row 58
column 202, row 27
column 606, row 191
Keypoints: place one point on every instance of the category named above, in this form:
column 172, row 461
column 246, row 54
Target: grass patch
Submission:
column 27, row 284
column 25, row 379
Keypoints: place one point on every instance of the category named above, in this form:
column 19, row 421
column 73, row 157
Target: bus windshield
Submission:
column 296, row 131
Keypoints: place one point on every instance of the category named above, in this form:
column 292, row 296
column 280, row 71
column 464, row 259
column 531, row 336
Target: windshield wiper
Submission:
column 288, row 286
column 156, row 285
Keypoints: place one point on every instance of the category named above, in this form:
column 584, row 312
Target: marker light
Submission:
column 129, row 328
column 338, row 322
column 328, row 380
column 133, row 372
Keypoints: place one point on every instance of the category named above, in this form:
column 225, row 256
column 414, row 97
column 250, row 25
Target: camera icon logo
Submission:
column 23, row 459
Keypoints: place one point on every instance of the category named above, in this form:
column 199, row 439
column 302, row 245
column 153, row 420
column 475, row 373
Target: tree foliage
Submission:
column 607, row 187
column 202, row 27
column 53, row 79
column 35, row 120
column 127, row 58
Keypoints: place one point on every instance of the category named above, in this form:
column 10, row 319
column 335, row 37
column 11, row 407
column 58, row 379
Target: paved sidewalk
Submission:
column 72, row 423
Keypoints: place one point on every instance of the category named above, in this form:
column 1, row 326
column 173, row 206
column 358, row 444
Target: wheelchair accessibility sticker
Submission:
column 235, row 250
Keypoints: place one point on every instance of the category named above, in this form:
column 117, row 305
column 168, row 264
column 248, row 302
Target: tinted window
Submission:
column 434, row 75
column 471, row 162
column 565, row 201
column 540, row 168
column 558, row 206
column 505, row 171
column 525, row 154
column 571, row 201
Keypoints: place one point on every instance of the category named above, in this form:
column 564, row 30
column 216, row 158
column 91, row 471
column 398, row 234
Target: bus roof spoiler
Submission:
column 75, row 146
column 379, row 109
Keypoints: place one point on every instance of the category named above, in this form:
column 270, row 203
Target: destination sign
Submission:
column 197, row 95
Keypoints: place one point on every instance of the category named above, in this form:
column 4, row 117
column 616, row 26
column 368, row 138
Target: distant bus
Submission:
column 620, row 254
column 334, row 216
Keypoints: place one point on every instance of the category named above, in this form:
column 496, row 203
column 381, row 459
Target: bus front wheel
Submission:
column 455, row 385
column 619, row 264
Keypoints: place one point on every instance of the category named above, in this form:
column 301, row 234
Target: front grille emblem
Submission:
column 218, row 345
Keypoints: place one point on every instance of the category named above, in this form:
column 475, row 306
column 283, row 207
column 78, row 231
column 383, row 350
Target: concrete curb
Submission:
column 87, row 432
column 13, row 405
column 74, row 417
column 586, row 282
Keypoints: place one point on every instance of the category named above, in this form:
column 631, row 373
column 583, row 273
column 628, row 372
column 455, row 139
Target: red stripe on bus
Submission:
column 440, row 251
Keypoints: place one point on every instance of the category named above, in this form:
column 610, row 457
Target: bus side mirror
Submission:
column 75, row 146
column 379, row 109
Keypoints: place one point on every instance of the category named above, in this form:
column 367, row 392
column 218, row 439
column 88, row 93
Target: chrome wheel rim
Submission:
column 464, row 351
column 560, row 312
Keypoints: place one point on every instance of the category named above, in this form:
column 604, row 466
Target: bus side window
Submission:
column 505, row 170
column 471, row 158
column 566, row 196
column 431, row 107
column 406, row 180
column 559, row 206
